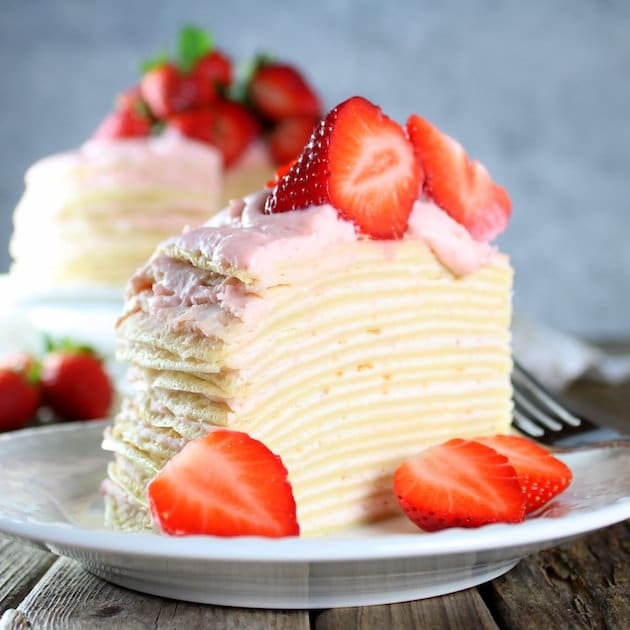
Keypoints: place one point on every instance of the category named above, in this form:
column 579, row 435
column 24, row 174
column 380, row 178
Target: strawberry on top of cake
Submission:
column 346, row 317
column 177, row 146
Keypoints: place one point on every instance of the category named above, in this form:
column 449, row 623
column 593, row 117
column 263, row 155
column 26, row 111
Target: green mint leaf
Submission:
column 65, row 344
column 193, row 44
column 159, row 60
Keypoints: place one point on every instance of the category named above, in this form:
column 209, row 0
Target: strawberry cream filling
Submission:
column 243, row 237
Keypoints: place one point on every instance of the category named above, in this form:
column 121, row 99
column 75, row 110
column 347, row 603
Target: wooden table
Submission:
column 585, row 584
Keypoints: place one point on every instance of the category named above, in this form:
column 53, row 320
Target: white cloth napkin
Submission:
column 557, row 359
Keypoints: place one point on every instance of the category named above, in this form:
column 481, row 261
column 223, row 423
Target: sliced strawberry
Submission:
column 234, row 129
column 226, row 125
column 460, row 187
column 167, row 91
column 278, row 91
column 287, row 139
column 280, row 172
column 460, row 483
column 197, row 124
column 216, row 68
column 541, row 475
column 130, row 100
column 224, row 484
column 123, row 124
column 359, row 161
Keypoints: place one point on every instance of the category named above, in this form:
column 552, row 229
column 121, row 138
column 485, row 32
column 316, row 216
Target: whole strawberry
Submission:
column 19, row 391
column 75, row 384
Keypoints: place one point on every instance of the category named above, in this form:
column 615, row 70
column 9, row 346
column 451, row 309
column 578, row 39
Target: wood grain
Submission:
column 21, row 566
column 70, row 597
column 460, row 610
column 581, row 585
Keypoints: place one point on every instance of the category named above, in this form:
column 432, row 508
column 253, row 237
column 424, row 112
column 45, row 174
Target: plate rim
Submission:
column 334, row 548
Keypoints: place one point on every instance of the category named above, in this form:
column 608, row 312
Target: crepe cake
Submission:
column 176, row 147
column 344, row 325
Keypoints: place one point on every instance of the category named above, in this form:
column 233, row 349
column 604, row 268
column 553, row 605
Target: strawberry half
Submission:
column 359, row 161
column 123, row 124
column 168, row 91
column 278, row 91
column 224, row 484
column 287, row 139
column 216, row 68
column 226, row 125
column 460, row 483
column 462, row 188
column 541, row 475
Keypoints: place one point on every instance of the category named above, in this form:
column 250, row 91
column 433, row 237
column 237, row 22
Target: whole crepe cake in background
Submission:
column 289, row 354
column 181, row 143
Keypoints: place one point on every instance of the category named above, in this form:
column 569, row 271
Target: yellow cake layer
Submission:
column 344, row 370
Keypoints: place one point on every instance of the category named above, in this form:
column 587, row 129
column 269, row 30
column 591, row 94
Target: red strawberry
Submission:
column 280, row 172
column 75, row 385
column 131, row 100
column 167, row 91
column 462, row 188
column 541, row 475
column 123, row 124
column 227, row 125
column 279, row 91
column 460, row 483
column 234, row 129
column 197, row 124
column 361, row 162
column 216, row 68
column 19, row 393
column 224, row 484
column 287, row 139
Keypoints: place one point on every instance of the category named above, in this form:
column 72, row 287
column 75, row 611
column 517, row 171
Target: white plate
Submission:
column 49, row 495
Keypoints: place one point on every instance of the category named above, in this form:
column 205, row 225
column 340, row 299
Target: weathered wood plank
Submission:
column 465, row 609
column 581, row 585
column 21, row 566
column 70, row 597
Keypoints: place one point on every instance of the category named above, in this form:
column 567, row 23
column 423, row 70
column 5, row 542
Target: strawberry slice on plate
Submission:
column 542, row 476
column 361, row 162
column 460, row 483
column 224, row 484
column 461, row 187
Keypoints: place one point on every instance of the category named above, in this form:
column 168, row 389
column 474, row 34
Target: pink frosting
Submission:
column 450, row 241
column 167, row 161
column 243, row 237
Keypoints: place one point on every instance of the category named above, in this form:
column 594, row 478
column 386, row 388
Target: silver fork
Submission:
column 539, row 415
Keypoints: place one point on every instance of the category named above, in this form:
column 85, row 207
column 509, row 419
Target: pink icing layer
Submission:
column 243, row 237
column 167, row 160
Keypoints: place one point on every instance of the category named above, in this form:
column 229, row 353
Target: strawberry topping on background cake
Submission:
column 197, row 94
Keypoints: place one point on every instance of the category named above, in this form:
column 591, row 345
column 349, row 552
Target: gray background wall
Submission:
column 539, row 91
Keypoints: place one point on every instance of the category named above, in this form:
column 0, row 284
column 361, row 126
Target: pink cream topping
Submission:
column 243, row 237
column 448, row 240
column 167, row 160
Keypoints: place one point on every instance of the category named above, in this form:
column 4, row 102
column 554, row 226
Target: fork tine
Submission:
column 538, row 414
